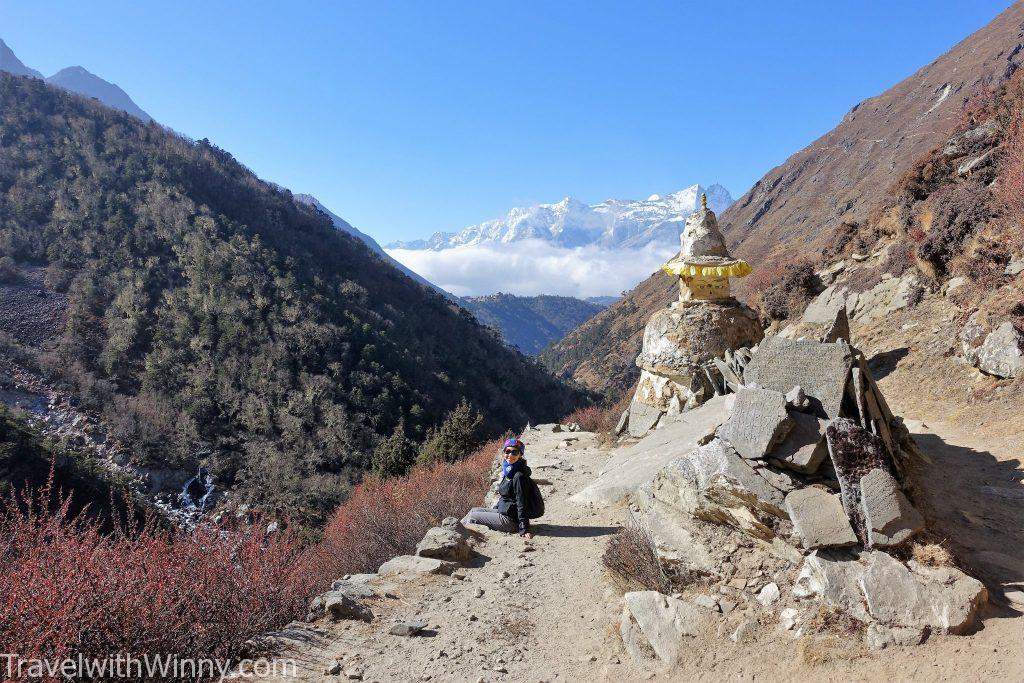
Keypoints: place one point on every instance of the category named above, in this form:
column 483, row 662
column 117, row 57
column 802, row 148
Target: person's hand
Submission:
column 527, row 535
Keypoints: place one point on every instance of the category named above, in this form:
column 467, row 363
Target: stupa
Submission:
column 681, row 342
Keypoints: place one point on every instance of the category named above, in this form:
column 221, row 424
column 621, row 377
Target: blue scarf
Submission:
column 508, row 469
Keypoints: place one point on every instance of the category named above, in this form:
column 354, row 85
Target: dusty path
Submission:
column 555, row 615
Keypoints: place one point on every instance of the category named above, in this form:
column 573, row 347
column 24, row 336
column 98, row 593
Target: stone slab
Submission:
column 819, row 519
column 758, row 422
column 642, row 418
column 854, row 452
column 839, row 328
column 889, row 517
column 652, row 621
column 820, row 369
column 834, row 578
column 413, row 564
column 942, row 599
column 804, row 448
column 634, row 465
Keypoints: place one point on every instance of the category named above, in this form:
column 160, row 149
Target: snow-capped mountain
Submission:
column 615, row 223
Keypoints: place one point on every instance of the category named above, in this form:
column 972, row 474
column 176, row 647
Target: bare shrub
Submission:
column 960, row 211
column 599, row 419
column 630, row 554
column 383, row 518
column 67, row 588
column 836, row 622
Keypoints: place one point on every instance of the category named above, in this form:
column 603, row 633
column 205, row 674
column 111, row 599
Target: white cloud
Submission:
column 532, row 267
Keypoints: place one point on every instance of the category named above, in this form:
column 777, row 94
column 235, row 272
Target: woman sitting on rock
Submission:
column 512, row 512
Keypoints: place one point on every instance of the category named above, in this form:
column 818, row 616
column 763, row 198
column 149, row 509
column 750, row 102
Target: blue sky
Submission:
column 411, row 117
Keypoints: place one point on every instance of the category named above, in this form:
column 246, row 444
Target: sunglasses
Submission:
column 512, row 451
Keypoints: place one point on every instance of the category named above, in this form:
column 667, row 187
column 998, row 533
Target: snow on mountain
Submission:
column 615, row 223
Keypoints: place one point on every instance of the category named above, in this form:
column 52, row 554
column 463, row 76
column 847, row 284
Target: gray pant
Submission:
column 491, row 518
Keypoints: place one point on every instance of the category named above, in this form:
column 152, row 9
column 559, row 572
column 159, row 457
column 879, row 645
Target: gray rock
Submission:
column 769, row 594
column 635, row 465
column 758, row 422
column 889, row 517
column 834, row 579
column 654, row 625
column 339, row 605
column 819, row 519
column 789, row 617
column 623, row 422
column 444, row 544
column 821, row 370
column 408, row 628
column 954, row 284
column 552, row 428
column 745, row 632
column 944, row 599
column 675, row 545
column 804, row 448
column 414, row 564
column 796, row 398
column 712, row 481
column 999, row 352
column 879, row 637
column 642, row 418
column 706, row 601
column 1015, row 267
column 839, row 328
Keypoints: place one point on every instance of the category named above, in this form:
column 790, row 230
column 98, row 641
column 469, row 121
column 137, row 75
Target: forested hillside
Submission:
column 529, row 323
column 212, row 319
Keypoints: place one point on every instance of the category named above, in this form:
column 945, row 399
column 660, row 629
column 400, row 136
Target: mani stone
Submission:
column 819, row 519
column 642, row 418
column 888, row 515
column 820, row 369
column 758, row 422
column 854, row 452
column 804, row 448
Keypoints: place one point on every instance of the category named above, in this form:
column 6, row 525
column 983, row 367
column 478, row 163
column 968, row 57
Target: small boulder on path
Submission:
column 654, row 626
column 444, row 544
column 414, row 564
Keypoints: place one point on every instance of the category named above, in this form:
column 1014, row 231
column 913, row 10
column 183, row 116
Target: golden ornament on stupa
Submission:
column 703, row 264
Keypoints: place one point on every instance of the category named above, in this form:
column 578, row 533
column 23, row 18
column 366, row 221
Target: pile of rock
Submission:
column 443, row 549
column 804, row 484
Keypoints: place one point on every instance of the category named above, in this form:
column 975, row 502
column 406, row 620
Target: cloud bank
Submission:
column 531, row 267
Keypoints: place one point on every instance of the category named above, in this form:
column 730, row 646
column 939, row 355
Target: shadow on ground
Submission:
column 567, row 531
column 884, row 363
column 977, row 502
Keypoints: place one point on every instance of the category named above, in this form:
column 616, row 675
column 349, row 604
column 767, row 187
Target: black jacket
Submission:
column 512, row 499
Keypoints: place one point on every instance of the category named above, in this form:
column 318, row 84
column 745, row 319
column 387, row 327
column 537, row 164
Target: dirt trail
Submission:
column 555, row 616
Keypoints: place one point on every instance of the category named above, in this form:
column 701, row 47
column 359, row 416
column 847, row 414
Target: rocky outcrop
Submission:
column 994, row 347
column 656, row 626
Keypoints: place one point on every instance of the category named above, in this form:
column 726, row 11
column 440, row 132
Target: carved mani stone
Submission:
column 820, row 369
column 758, row 422
column 854, row 452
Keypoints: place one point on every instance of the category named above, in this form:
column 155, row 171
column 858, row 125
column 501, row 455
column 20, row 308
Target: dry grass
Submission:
column 829, row 620
column 932, row 555
column 824, row 651
column 630, row 554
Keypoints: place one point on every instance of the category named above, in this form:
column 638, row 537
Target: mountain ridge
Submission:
column 613, row 223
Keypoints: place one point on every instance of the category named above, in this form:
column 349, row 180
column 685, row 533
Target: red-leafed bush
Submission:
column 388, row 517
column 68, row 589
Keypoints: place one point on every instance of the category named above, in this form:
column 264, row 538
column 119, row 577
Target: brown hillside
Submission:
column 838, row 178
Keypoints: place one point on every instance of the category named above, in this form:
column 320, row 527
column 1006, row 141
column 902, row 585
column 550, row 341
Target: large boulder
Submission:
column 715, row 484
column 876, row 588
column 655, row 625
column 995, row 348
column 635, row 465
column 444, row 544
column 941, row 599
column 413, row 565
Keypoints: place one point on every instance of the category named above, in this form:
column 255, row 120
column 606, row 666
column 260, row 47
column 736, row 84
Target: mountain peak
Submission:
column 10, row 63
column 80, row 80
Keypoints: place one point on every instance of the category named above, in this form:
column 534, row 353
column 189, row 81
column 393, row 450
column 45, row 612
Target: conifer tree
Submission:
column 458, row 436
column 395, row 454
